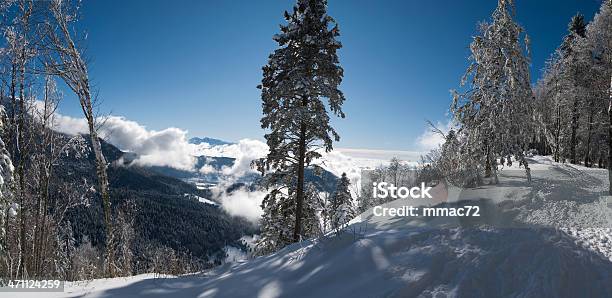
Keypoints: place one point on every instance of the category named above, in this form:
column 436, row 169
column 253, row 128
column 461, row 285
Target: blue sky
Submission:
column 196, row 64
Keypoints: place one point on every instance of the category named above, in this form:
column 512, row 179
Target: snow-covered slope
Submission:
column 548, row 239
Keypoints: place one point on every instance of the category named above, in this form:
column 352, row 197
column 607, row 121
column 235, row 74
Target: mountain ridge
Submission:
column 210, row 141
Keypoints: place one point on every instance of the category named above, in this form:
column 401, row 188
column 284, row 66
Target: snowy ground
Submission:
column 548, row 239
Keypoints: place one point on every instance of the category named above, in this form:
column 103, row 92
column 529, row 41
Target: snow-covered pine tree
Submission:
column 276, row 230
column 342, row 208
column 450, row 163
column 569, row 107
column 572, row 59
column 312, row 209
column 592, row 105
column 599, row 34
column 278, row 218
column 325, row 214
column 576, row 29
column 299, row 76
column 494, row 114
column 550, row 108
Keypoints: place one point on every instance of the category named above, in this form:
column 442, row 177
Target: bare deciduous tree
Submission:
column 64, row 58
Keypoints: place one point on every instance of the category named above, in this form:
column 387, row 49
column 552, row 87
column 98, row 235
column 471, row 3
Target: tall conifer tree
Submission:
column 573, row 71
column 299, row 87
column 495, row 112
column 600, row 36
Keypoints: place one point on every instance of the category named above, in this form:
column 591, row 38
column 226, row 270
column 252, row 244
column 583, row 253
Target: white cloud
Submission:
column 430, row 140
column 167, row 147
column 243, row 203
column 245, row 151
column 376, row 157
column 207, row 169
column 69, row 125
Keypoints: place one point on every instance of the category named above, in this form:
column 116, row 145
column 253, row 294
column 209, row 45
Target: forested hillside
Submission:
column 159, row 228
column 161, row 216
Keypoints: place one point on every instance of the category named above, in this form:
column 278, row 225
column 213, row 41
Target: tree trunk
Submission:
column 102, row 181
column 558, row 133
column 587, row 154
column 13, row 116
column 488, row 161
column 574, row 129
column 526, row 165
column 13, row 131
column 610, row 140
column 300, row 184
column 43, row 234
column 21, row 159
column 45, row 169
column 71, row 65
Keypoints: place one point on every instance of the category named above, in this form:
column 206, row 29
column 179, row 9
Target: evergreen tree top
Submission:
column 343, row 185
column 577, row 25
column 576, row 29
column 301, row 74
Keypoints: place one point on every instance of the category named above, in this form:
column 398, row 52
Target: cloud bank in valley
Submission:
column 244, row 151
column 243, row 203
column 170, row 147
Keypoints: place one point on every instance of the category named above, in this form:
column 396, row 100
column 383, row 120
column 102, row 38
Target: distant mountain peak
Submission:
column 210, row 141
